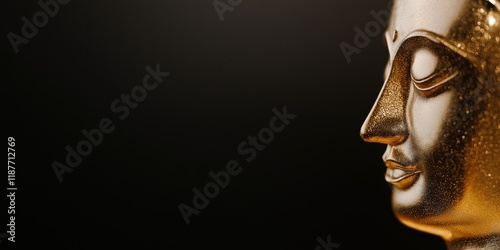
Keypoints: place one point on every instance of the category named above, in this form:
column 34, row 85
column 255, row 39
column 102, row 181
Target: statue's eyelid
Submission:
column 431, row 69
column 425, row 63
column 435, row 85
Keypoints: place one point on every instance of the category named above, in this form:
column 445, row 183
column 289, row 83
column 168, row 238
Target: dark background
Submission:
column 317, row 178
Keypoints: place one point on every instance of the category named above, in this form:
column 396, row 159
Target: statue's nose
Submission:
column 386, row 122
column 386, row 131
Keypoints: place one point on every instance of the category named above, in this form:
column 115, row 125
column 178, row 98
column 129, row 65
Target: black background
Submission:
column 317, row 177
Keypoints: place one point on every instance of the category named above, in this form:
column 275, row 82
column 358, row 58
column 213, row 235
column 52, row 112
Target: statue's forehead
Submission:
column 436, row 16
column 471, row 28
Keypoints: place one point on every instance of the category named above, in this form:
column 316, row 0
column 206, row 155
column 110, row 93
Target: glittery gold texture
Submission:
column 443, row 131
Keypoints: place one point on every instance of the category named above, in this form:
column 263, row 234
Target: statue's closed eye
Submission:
column 430, row 71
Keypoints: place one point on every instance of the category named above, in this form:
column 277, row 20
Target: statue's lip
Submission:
column 402, row 176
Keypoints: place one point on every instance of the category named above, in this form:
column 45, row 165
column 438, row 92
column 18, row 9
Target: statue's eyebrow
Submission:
column 433, row 37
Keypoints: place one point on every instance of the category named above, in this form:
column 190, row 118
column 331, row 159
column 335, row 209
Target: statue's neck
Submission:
column 490, row 242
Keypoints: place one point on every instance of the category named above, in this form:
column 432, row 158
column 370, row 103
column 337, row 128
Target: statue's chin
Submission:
column 411, row 208
column 409, row 192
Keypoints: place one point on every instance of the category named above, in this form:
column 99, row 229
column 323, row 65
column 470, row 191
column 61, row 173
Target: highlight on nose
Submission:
column 386, row 130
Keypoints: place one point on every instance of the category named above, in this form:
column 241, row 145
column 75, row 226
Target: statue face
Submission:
column 439, row 114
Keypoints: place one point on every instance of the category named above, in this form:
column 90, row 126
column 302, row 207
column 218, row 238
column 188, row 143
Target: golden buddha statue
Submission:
column 439, row 114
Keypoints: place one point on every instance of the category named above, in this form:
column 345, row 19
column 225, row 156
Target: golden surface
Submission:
column 439, row 114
